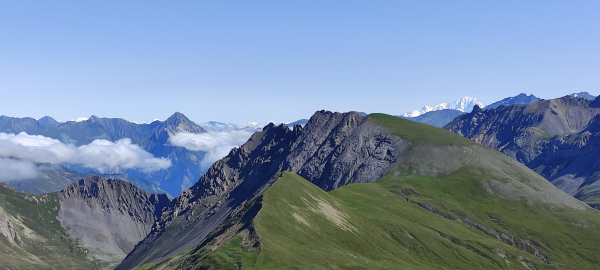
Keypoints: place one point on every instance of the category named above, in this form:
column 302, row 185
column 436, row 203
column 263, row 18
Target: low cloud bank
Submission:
column 217, row 144
column 19, row 153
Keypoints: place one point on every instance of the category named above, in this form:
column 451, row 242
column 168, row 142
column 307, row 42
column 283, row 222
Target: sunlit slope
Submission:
column 31, row 237
column 366, row 226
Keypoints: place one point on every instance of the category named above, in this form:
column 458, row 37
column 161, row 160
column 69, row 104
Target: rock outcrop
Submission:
column 108, row 217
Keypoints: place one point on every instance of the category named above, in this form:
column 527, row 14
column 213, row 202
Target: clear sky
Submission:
column 240, row 61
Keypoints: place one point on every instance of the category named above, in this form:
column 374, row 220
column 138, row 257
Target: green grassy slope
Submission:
column 373, row 226
column 41, row 243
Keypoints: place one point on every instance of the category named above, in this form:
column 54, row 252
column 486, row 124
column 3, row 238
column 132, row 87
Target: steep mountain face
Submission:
column 108, row 217
column 464, row 104
column 518, row 99
column 332, row 151
column 557, row 138
column 153, row 137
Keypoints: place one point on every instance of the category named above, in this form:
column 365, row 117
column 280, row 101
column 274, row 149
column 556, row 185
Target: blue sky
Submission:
column 240, row 61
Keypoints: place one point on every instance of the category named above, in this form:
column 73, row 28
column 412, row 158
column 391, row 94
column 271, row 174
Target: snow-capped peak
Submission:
column 464, row 104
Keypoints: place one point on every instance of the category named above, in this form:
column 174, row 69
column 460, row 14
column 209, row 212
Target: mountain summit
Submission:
column 464, row 104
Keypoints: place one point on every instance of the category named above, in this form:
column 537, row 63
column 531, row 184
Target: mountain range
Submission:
column 152, row 137
column 442, row 114
column 374, row 192
column 342, row 191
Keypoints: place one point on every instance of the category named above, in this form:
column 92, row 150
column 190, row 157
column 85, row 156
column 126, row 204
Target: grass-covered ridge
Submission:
column 418, row 133
column 41, row 242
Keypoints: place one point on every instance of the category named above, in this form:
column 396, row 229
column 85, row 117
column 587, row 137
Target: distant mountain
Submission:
column 437, row 118
column 557, row 138
column 585, row 95
column 401, row 194
column 518, row 99
column 464, row 104
column 152, row 137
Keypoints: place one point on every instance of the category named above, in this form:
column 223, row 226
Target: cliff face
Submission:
column 332, row 150
column 557, row 138
column 108, row 217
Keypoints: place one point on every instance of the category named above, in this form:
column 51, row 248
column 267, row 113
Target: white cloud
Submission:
column 217, row 144
column 12, row 170
column 101, row 155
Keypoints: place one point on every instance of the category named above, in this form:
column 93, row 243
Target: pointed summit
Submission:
column 178, row 122
column 177, row 117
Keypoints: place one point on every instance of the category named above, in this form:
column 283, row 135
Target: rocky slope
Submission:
column 108, row 217
column 331, row 151
column 557, row 138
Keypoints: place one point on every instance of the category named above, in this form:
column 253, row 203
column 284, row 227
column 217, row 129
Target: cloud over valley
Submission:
column 20, row 152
